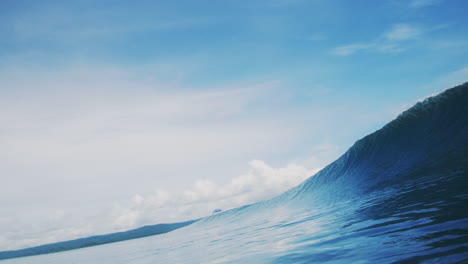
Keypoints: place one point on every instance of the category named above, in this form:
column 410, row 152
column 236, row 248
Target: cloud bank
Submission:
column 259, row 182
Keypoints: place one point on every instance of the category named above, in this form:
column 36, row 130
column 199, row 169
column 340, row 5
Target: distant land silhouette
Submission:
column 144, row 231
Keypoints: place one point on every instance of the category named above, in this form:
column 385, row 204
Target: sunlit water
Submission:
column 397, row 196
column 420, row 227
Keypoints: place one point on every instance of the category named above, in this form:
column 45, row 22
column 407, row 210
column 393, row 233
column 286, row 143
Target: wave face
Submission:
column 399, row 195
column 429, row 139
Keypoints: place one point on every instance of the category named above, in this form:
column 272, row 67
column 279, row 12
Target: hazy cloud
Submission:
column 402, row 32
column 390, row 41
column 258, row 183
column 78, row 139
column 350, row 49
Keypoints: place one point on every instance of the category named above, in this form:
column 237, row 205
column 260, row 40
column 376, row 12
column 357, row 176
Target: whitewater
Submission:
column 398, row 195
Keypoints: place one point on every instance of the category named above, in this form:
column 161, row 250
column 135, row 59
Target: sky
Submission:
column 118, row 114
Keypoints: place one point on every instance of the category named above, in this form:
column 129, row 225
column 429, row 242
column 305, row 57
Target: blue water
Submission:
column 399, row 195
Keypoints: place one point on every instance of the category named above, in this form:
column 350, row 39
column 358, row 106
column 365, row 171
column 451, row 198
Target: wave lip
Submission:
column 398, row 195
column 428, row 136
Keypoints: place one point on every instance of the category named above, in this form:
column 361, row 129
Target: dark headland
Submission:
column 144, row 231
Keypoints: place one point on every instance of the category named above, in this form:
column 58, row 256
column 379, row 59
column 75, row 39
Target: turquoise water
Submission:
column 398, row 195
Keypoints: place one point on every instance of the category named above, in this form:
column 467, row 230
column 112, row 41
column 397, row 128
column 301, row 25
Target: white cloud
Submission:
column 351, row 49
column 93, row 135
column 78, row 139
column 390, row 41
column 260, row 182
column 402, row 32
column 423, row 3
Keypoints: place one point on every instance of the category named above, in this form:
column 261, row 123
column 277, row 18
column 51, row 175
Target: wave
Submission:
column 429, row 138
column 409, row 178
column 398, row 195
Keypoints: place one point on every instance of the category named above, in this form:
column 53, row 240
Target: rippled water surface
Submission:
column 398, row 195
column 414, row 223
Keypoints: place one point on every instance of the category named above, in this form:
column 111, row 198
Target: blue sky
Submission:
column 119, row 114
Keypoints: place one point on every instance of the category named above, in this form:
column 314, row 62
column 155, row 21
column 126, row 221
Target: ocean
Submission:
column 398, row 195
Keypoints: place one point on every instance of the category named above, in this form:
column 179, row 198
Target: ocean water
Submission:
column 399, row 195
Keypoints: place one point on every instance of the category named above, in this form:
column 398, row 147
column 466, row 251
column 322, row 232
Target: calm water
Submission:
column 398, row 195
